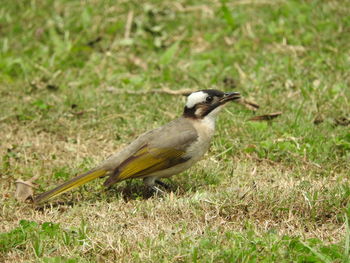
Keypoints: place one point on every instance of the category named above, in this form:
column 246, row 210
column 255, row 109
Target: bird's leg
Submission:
column 162, row 184
column 150, row 183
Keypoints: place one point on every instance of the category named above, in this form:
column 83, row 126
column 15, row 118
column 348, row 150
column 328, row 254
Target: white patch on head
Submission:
column 195, row 98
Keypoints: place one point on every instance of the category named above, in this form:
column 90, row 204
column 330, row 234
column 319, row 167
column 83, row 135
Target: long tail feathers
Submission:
column 75, row 182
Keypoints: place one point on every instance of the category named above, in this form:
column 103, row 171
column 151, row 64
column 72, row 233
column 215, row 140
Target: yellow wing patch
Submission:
column 146, row 161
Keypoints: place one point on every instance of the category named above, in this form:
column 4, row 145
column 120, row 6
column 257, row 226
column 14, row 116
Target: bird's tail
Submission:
column 71, row 184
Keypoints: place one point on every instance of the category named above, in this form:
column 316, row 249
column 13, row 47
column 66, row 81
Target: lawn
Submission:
column 80, row 79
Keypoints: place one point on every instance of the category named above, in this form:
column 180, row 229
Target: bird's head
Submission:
column 203, row 103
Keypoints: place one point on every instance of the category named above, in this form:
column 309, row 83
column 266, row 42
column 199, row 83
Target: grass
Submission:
column 273, row 191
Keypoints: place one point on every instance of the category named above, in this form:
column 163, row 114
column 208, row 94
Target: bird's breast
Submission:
column 205, row 129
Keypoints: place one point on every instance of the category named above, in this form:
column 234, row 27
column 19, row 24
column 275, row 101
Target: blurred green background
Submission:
column 77, row 81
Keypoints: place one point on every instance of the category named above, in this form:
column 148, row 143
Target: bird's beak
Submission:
column 230, row 96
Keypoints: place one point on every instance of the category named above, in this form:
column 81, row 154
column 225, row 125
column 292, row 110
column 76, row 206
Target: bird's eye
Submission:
column 209, row 99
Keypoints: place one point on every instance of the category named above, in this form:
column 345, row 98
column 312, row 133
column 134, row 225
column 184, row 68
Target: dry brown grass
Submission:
column 261, row 195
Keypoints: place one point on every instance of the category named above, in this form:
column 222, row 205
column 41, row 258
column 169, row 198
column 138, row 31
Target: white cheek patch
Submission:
column 198, row 112
column 195, row 98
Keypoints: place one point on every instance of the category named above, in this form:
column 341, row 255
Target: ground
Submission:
column 78, row 82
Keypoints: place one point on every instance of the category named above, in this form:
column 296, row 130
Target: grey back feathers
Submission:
column 177, row 134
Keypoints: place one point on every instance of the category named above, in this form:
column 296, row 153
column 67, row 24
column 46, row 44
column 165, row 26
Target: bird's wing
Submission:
column 146, row 161
column 164, row 148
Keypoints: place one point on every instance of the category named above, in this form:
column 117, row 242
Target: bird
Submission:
column 162, row 152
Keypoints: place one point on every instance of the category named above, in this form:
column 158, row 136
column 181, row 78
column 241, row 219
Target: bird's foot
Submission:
column 155, row 190
column 155, row 186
